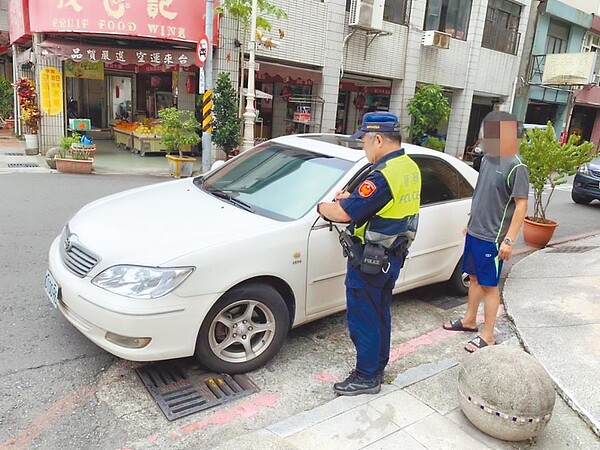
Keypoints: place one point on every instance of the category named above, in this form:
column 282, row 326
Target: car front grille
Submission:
column 595, row 173
column 75, row 256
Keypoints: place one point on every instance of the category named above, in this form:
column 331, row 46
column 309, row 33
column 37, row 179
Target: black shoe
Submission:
column 356, row 385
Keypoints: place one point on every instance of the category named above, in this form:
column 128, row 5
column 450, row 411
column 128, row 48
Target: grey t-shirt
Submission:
column 500, row 181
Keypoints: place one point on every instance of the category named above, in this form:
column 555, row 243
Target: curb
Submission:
column 562, row 392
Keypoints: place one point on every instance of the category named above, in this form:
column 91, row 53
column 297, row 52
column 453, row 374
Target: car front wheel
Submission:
column 580, row 199
column 243, row 330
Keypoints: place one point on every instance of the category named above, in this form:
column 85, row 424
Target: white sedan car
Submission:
column 221, row 266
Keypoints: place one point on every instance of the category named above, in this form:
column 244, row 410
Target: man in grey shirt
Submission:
column 497, row 211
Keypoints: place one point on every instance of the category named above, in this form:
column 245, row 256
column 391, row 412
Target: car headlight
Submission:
column 585, row 170
column 141, row 282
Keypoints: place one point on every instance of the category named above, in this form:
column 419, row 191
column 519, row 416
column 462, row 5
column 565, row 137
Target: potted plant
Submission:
column 30, row 113
column 179, row 129
column 7, row 94
column 226, row 122
column 549, row 163
column 74, row 162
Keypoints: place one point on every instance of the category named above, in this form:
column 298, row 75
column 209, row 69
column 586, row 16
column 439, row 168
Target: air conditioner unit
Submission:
column 367, row 14
column 437, row 39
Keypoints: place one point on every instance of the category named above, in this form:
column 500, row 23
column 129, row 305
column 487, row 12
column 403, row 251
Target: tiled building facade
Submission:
column 343, row 63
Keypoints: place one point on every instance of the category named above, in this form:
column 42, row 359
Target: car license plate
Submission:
column 52, row 289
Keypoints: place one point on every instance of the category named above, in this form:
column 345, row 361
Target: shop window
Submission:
column 501, row 26
column 440, row 182
column 396, row 11
column 449, row 16
column 558, row 36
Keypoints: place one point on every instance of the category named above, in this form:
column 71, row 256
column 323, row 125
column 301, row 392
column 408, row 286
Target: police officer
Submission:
column 383, row 214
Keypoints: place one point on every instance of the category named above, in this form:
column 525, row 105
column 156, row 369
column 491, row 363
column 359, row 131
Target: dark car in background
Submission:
column 586, row 185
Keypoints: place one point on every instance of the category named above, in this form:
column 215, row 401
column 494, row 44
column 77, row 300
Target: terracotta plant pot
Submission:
column 74, row 165
column 537, row 234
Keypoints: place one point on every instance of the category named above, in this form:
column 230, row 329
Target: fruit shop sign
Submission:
column 176, row 20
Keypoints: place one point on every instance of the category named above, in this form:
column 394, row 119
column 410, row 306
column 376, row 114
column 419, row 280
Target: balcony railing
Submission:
column 500, row 39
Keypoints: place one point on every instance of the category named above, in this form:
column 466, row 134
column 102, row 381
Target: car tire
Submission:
column 459, row 281
column 243, row 330
column 580, row 199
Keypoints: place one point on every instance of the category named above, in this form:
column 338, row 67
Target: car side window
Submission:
column 440, row 182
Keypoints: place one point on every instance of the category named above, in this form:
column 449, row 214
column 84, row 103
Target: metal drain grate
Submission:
column 15, row 154
column 572, row 249
column 180, row 392
column 19, row 165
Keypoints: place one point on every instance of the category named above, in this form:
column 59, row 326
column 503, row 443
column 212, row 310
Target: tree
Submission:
column 550, row 163
column 429, row 110
column 226, row 122
column 178, row 128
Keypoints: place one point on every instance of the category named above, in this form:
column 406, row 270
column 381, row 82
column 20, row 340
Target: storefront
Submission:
column 359, row 95
column 294, row 107
column 104, row 83
column 113, row 61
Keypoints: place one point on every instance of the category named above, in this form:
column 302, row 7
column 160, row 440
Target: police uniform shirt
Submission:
column 370, row 196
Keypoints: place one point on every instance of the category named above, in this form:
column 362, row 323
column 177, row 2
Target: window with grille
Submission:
column 501, row 26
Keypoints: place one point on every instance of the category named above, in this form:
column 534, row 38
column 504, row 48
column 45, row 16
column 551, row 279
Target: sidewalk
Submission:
column 552, row 297
column 108, row 160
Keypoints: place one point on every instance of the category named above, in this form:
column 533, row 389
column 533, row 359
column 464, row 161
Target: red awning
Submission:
column 280, row 73
column 89, row 52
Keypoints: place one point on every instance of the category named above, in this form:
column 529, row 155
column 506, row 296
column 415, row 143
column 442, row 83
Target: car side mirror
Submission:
column 217, row 164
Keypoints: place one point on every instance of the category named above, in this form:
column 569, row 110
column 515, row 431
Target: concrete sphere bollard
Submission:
column 506, row 393
column 50, row 156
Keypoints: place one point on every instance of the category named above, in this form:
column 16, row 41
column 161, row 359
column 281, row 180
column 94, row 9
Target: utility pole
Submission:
column 250, row 114
column 207, row 96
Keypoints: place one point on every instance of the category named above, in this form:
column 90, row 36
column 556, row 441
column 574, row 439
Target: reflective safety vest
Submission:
column 400, row 216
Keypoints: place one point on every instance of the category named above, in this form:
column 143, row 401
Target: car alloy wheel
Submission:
column 244, row 329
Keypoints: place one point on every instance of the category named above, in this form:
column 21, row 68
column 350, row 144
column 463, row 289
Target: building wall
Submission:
column 4, row 15
column 587, row 6
column 580, row 22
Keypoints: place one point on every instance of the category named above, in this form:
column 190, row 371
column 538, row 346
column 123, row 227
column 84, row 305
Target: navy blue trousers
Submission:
column 368, row 301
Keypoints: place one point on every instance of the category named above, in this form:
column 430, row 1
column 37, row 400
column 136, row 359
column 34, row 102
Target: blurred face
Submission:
column 500, row 138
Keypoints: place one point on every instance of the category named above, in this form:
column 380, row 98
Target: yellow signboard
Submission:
column 51, row 91
column 85, row 69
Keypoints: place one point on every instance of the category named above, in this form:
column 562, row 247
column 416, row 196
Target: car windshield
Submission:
column 276, row 180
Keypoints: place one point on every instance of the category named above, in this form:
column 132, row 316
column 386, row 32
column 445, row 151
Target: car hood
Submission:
column 595, row 163
column 156, row 224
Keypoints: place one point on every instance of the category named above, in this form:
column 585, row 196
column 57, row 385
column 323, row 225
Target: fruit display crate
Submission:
column 123, row 138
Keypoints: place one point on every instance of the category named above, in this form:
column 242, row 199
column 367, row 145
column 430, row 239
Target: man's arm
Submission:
column 516, row 223
column 333, row 212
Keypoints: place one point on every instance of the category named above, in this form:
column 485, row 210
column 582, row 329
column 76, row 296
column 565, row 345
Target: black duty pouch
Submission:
column 351, row 248
column 374, row 259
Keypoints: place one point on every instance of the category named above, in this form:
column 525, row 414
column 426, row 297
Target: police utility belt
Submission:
column 369, row 258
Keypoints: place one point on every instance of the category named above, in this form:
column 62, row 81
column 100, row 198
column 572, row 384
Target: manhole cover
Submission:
column 19, row 165
column 15, row 154
column 572, row 249
column 180, row 392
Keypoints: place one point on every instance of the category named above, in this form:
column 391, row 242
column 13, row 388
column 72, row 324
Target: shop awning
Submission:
column 259, row 94
column 82, row 51
column 281, row 73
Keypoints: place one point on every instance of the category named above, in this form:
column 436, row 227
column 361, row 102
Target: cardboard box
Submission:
column 80, row 124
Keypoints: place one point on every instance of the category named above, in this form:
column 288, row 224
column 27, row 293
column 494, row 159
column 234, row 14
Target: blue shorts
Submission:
column 480, row 258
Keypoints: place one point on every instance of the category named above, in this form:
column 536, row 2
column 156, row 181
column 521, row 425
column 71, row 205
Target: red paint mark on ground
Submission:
column 433, row 337
column 53, row 414
column 152, row 439
column 244, row 410
column 327, row 377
